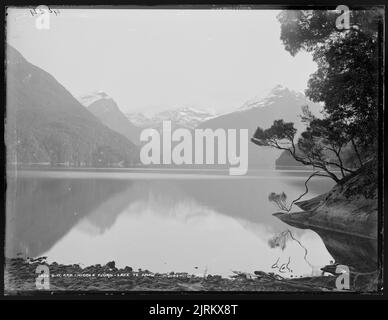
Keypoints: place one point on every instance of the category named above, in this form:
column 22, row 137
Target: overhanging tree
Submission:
column 310, row 149
column 346, row 83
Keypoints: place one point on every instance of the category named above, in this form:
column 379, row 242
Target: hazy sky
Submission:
column 150, row 60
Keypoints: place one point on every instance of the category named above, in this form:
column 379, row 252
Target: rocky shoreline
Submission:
column 20, row 279
column 346, row 219
column 351, row 207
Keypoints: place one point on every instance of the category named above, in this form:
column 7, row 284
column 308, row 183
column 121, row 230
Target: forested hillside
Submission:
column 46, row 124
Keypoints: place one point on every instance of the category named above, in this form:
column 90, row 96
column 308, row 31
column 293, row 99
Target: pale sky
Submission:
column 152, row 60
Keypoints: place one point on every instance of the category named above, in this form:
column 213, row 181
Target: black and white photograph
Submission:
column 224, row 149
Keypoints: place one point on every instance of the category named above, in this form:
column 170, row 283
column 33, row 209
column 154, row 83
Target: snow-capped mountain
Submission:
column 52, row 126
column 186, row 117
column 107, row 110
column 279, row 92
column 280, row 103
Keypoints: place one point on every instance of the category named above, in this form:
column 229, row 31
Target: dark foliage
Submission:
column 346, row 82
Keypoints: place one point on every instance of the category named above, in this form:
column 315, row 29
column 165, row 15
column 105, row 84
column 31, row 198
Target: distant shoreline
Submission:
column 149, row 173
column 160, row 168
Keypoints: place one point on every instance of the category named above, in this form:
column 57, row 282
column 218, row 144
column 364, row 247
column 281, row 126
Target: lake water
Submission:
column 187, row 221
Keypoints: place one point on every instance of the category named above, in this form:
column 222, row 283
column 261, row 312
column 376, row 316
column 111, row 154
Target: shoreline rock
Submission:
column 345, row 218
column 350, row 207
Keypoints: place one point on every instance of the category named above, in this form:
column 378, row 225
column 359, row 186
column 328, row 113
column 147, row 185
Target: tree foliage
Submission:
column 345, row 82
column 310, row 148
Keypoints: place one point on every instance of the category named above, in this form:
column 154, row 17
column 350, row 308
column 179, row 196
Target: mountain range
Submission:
column 46, row 124
column 185, row 117
column 280, row 103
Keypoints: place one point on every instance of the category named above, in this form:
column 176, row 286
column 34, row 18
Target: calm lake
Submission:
column 161, row 220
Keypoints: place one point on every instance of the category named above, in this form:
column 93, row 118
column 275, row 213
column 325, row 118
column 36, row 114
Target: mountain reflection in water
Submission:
column 163, row 224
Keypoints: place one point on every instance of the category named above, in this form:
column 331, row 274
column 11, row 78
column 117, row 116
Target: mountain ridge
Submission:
column 186, row 117
column 46, row 124
column 280, row 103
column 108, row 112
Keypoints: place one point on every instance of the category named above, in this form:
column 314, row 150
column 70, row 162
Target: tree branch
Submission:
column 316, row 173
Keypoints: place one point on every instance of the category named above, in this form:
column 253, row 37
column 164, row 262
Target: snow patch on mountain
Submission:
column 88, row 99
column 186, row 117
column 278, row 92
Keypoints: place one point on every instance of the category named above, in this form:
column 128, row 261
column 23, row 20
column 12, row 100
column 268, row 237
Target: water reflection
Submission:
column 211, row 224
column 44, row 210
